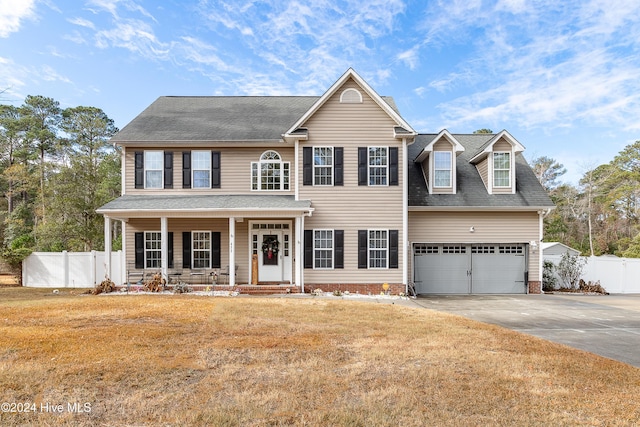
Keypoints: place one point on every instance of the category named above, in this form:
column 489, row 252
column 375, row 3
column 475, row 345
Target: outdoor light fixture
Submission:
column 472, row 229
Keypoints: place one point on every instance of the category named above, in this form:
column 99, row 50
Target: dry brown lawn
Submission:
column 216, row 361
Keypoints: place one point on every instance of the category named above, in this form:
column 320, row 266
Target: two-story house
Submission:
column 330, row 192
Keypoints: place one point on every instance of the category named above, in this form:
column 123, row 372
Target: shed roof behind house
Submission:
column 218, row 118
column 471, row 191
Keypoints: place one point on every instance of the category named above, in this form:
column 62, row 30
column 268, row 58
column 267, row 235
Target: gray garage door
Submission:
column 469, row 269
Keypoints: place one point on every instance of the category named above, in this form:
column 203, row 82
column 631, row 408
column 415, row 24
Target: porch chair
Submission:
column 224, row 273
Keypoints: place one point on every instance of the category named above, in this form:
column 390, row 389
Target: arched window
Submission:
column 350, row 96
column 270, row 173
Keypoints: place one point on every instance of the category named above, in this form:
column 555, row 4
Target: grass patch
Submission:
column 189, row 360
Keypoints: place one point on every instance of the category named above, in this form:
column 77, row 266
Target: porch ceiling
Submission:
column 205, row 205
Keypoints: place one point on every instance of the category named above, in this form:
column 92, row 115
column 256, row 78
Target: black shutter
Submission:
column 139, row 165
column 393, row 248
column 362, row 165
column 186, row 249
column 338, row 256
column 308, row 248
column 186, row 169
column 307, row 166
column 338, row 166
column 216, row 250
column 215, row 169
column 170, row 249
column 139, row 242
column 393, row 165
column 168, row 169
column 363, row 249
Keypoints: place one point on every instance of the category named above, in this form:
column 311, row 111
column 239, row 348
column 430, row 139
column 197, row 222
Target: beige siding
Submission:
column 502, row 145
column 426, row 171
column 490, row 227
column 235, row 166
column 483, row 171
column 352, row 207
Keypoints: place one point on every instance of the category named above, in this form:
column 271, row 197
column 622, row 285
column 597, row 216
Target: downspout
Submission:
column 405, row 217
column 296, row 159
column 541, row 216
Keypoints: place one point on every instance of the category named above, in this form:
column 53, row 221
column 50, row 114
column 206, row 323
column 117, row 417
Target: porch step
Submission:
column 261, row 289
column 243, row 289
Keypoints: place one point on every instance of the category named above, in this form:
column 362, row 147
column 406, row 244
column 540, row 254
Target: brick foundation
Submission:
column 356, row 288
column 535, row 287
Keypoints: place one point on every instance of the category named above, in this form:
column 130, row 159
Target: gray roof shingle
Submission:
column 208, row 202
column 218, row 118
column 470, row 191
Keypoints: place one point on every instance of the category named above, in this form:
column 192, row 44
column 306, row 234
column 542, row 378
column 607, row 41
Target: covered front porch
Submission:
column 211, row 241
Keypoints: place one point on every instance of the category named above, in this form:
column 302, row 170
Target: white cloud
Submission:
column 136, row 36
column 12, row 12
column 48, row 74
column 552, row 69
column 11, row 74
column 82, row 22
column 410, row 57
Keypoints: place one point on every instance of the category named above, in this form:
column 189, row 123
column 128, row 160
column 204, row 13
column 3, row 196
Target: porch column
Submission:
column 107, row 247
column 164, row 246
column 232, row 251
column 300, row 252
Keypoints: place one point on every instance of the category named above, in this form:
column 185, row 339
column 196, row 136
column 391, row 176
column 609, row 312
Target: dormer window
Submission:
column 442, row 169
column 502, row 169
column 438, row 161
column 350, row 96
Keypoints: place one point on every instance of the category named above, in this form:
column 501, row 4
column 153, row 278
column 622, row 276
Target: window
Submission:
column 378, row 249
column 501, row 169
column 378, row 165
column 152, row 249
column 442, row 169
column 201, row 246
column 323, row 249
column 153, row 169
column 351, row 96
column 270, row 173
column 323, row 165
column 201, row 166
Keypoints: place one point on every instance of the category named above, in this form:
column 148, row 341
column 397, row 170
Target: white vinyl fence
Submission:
column 616, row 275
column 70, row 269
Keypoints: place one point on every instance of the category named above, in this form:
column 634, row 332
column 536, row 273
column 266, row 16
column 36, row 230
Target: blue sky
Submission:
column 562, row 76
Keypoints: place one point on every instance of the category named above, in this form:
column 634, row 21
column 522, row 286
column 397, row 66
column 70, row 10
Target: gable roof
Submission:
column 444, row 134
column 560, row 246
column 402, row 127
column 487, row 147
column 471, row 192
column 218, row 119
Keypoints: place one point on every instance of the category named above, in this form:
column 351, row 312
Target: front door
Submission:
column 270, row 256
column 272, row 245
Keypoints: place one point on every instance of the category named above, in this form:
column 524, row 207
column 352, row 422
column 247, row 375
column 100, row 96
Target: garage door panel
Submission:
column 443, row 270
column 498, row 275
column 464, row 269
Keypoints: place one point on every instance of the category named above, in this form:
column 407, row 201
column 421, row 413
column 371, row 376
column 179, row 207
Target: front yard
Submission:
column 194, row 360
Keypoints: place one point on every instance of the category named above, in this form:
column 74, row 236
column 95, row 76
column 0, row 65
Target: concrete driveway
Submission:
column 607, row 325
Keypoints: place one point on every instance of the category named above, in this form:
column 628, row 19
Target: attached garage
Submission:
column 470, row 268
